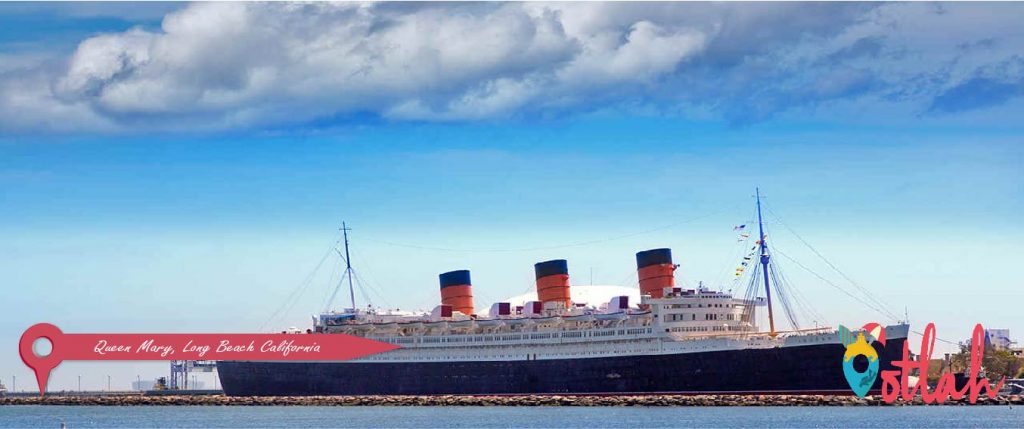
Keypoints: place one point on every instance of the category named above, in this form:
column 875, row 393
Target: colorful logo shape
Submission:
column 859, row 344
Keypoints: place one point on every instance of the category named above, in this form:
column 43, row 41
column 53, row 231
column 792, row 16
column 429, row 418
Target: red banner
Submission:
column 262, row 347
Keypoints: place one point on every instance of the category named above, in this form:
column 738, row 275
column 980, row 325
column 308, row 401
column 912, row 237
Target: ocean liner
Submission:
column 675, row 340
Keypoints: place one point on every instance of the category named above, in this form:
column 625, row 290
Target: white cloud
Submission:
column 645, row 52
column 260, row 65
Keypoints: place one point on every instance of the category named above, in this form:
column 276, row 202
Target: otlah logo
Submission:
column 859, row 344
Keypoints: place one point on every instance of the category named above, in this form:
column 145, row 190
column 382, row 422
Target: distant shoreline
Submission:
column 138, row 399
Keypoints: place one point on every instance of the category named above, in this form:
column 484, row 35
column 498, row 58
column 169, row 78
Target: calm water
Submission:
column 503, row 417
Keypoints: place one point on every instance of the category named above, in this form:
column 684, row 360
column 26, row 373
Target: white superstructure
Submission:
column 682, row 321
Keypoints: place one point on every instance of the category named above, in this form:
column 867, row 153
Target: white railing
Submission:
column 523, row 338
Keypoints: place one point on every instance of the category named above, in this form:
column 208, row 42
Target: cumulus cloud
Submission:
column 266, row 65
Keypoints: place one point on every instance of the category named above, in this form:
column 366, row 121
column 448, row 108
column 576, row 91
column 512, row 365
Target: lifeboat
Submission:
column 440, row 324
column 411, row 325
column 489, row 323
column 579, row 318
column 360, row 327
column 460, row 323
column 517, row 321
column 621, row 315
column 549, row 320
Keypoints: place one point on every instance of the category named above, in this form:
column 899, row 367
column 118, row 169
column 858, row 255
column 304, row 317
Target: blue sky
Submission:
column 178, row 167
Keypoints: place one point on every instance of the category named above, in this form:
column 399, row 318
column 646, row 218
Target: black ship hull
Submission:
column 795, row 369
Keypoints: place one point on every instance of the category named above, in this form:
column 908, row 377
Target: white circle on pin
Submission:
column 42, row 347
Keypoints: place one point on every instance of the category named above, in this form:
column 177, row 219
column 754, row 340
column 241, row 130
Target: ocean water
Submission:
column 28, row 416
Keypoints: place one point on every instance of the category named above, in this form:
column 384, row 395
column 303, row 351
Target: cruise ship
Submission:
column 673, row 341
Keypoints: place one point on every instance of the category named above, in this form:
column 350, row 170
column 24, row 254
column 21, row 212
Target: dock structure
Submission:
column 490, row 400
column 182, row 369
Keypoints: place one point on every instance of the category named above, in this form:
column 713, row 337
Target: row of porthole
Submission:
column 458, row 339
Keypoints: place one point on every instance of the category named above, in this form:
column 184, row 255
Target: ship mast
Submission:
column 764, row 264
column 348, row 266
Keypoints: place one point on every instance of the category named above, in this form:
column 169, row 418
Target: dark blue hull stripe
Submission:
column 800, row 369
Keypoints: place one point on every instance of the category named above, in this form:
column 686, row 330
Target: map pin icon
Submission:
column 860, row 382
column 42, row 365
